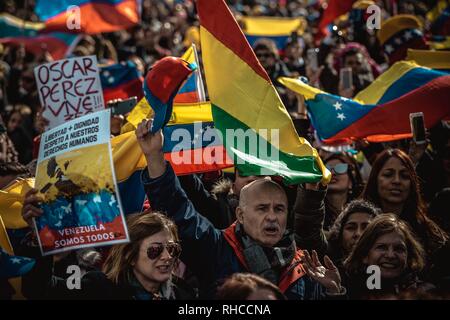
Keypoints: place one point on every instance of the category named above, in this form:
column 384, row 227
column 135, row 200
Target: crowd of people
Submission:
column 230, row 236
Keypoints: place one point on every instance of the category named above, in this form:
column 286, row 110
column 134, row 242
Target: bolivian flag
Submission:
column 246, row 105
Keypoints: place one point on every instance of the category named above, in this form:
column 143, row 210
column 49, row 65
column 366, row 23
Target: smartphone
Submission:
column 346, row 77
column 418, row 129
column 313, row 59
column 122, row 107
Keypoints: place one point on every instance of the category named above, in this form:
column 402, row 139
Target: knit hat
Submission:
column 399, row 33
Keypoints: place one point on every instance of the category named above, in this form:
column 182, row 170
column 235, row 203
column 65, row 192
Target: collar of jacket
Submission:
column 289, row 275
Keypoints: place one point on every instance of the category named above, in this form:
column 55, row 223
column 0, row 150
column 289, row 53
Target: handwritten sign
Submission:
column 69, row 89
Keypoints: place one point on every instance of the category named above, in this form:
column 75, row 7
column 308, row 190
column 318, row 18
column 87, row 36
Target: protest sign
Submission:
column 68, row 89
column 75, row 176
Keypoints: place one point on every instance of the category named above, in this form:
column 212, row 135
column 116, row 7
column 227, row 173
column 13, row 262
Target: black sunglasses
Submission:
column 156, row 249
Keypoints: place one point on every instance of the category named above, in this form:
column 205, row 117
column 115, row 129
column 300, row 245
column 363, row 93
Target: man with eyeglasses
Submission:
column 257, row 242
column 267, row 53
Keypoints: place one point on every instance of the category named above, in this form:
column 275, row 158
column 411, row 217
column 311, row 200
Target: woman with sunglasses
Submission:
column 346, row 185
column 143, row 268
column 316, row 206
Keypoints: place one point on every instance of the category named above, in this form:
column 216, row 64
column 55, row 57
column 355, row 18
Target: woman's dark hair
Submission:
column 384, row 224
column 414, row 211
column 335, row 235
column 353, row 173
column 240, row 286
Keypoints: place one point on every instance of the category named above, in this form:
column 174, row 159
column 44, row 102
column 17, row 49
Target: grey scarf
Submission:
column 267, row 262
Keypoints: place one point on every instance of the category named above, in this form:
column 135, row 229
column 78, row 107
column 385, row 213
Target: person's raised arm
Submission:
column 152, row 147
column 309, row 211
column 165, row 194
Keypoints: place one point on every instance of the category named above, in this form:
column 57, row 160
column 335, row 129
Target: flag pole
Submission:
column 201, row 86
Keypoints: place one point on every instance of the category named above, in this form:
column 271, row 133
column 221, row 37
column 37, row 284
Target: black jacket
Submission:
column 96, row 286
column 218, row 206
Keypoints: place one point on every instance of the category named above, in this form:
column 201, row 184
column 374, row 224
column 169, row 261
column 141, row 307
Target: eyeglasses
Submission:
column 156, row 249
column 340, row 168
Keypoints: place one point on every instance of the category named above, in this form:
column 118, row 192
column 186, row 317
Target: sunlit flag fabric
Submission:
column 274, row 28
column 121, row 80
column 192, row 90
column 243, row 98
column 439, row 60
column 90, row 16
column 11, row 199
column 15, row 31
column 381, row 111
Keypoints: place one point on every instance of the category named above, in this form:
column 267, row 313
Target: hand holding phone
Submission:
column 313, row 60
column 346, row 78
column 418, row 129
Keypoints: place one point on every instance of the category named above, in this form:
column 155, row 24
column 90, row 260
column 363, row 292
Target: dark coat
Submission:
column 309, row 211
column 217, row 206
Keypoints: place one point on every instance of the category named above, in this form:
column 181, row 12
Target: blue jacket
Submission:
column 214, row 254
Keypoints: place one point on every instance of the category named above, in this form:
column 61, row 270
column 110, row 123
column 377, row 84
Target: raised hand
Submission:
column 152, row 146
column 327, row 275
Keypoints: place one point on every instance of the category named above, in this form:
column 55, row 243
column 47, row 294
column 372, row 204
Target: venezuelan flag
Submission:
column 440, row 18
column 439, row 43
column 95, row 16
column 439, row 60
column 192, row 90
column 191, row 145
column 121, row 80
column 381, row 111
column 5, row 244
column 244, row 99
column 274, row 28
column 15, row 31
